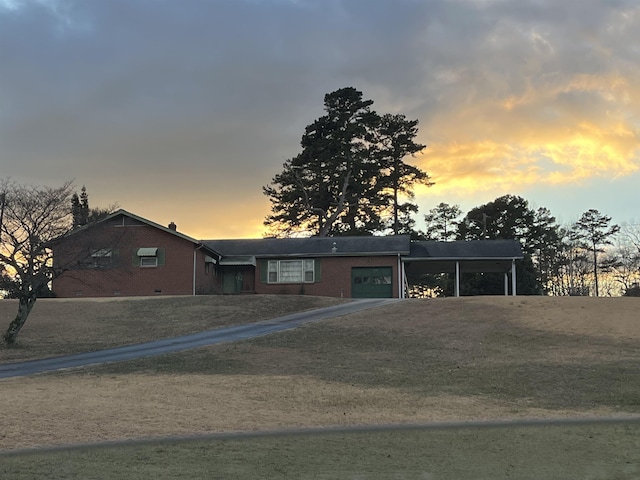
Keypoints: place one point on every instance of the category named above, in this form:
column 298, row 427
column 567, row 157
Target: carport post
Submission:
column 401, row 278
column 457, row 279
column 506, row 283
column 513, row 277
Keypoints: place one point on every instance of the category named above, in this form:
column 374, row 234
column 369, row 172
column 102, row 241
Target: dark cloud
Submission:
column 126, row 95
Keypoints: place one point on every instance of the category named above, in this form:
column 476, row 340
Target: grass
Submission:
column 567, row 452
column 62, row 327
column 417, row 361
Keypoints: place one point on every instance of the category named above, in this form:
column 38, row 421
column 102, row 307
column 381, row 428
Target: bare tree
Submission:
column 34, row 218
column 622, row 262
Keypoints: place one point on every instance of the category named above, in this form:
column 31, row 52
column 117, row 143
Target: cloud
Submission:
column 196, row 102
column 537, row 101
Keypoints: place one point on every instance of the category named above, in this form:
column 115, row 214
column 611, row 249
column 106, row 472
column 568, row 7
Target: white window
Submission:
column 148, row 261
column 290, row 271
column 148, row 256
column 273, row 271
column 309, row 271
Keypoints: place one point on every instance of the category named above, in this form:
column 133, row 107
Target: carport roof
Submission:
column 471, row 256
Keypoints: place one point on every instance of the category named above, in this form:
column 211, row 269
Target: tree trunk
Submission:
column 325, row 228
column 396, row 226
column 24, row 309
column 595, row 267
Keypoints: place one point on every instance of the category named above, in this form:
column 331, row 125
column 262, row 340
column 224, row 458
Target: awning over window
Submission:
column 148, row 252
column 208, row 259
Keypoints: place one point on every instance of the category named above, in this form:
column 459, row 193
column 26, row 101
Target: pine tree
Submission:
column 350, row 173
column 84, row 206
column 594, row 232
column 76, row 211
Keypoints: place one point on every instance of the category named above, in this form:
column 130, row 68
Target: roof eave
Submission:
column 466, row 259
column 331, row 254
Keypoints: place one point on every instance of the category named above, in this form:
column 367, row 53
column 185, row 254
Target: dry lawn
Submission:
column 65, row 326
column 416, row 361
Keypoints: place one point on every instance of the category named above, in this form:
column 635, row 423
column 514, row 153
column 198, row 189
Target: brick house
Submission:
column 351, row 267
column 127, row 255
column 124, row 254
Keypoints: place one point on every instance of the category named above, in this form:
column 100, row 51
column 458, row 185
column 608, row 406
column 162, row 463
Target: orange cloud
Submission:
column 563, row 131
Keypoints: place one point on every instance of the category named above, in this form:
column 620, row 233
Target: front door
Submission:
column 232, row 281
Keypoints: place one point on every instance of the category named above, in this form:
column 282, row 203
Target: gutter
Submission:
column 318, row 255
column 454, row 259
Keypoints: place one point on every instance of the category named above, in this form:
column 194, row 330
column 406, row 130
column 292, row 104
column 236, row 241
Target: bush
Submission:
column 633, row 291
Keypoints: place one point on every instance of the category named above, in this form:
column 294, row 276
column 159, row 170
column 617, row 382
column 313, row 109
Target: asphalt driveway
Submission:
column 185, row 342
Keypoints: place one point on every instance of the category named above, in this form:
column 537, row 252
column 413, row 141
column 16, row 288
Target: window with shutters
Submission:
column 291, row 271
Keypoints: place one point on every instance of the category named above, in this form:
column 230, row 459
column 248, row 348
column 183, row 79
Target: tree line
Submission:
column 558, row 259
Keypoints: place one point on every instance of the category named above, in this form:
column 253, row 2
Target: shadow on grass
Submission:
column 552, row 370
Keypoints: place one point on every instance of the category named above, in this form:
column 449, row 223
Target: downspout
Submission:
column 195, row 251
column 405, row 283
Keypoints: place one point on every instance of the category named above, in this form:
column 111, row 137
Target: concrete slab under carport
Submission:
column 458, row 257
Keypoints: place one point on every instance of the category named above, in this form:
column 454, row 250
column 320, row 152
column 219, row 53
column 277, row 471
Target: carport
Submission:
column 475, row 256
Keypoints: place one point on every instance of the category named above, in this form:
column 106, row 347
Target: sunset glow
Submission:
column 191, row 108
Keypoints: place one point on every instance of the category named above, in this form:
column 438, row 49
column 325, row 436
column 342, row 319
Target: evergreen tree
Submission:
column 76, row 211
column 395, row 139
column 442, row 222
column 84, row 206
column 349, row 173
column 510, row 217
column 593, row 232
column 80, row 208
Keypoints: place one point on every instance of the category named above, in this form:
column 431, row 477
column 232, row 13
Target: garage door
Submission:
column 371, row 282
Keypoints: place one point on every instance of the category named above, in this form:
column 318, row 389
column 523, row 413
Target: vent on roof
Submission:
column 173, row 226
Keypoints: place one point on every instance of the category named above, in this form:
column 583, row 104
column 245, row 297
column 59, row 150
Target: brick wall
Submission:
column 173, row 276
column 336, row 277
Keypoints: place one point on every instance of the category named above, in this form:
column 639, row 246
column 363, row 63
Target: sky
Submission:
column 183, row 110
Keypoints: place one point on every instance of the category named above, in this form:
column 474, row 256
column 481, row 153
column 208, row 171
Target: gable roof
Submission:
column 313, row 246
column 124, row 213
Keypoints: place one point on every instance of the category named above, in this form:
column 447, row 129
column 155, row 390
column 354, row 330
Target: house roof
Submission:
column 419, row 257
column 122, row 212
column 314, row 246
column 471, row 256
